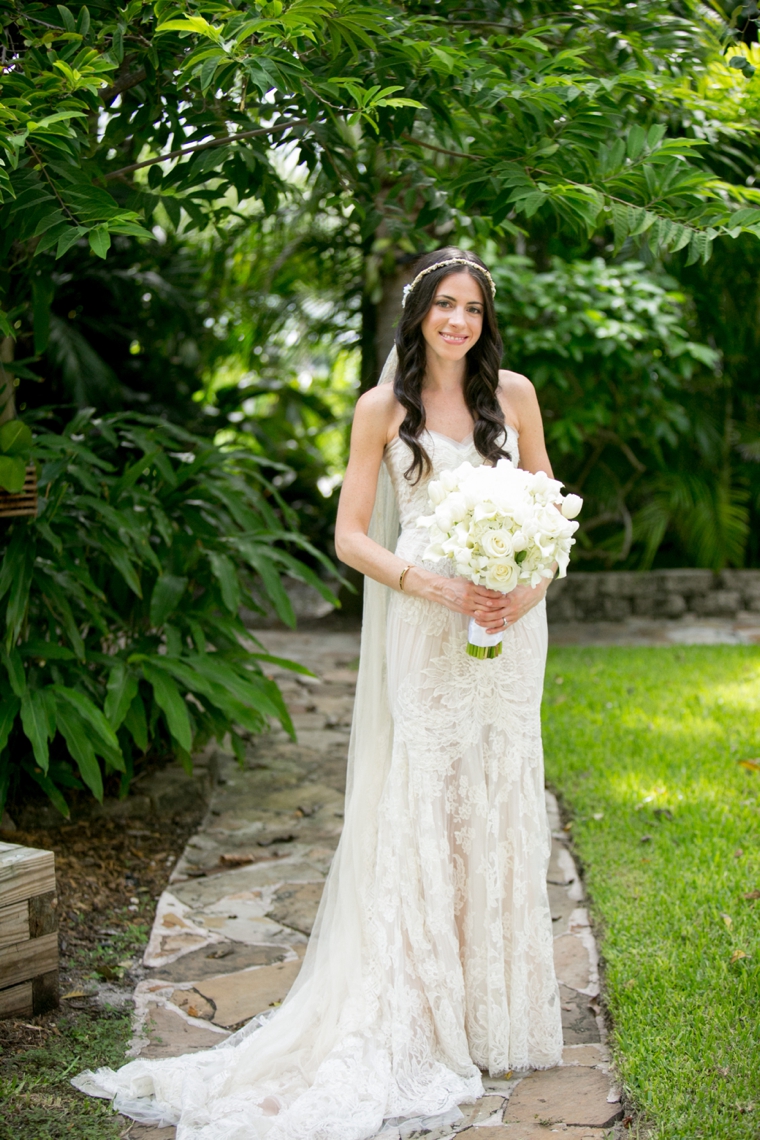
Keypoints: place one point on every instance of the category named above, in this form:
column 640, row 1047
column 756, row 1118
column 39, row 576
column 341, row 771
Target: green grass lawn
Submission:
column 643, row 748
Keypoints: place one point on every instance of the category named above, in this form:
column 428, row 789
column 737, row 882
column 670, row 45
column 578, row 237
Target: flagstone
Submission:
column 571, row 1095
column 238, row 997
column 224, row 957
column 169, row 1034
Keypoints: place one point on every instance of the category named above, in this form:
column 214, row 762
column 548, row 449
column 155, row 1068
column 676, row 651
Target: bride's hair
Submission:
column 483, row 362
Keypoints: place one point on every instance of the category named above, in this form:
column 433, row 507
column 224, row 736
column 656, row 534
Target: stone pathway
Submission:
column 231, row 929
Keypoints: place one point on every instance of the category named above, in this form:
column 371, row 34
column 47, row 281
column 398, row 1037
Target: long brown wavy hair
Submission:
column 482, row 372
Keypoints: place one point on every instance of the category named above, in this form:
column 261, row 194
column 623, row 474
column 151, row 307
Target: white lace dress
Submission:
column 432, row 955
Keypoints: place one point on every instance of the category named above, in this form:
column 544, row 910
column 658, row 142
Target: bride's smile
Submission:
column 454, row 322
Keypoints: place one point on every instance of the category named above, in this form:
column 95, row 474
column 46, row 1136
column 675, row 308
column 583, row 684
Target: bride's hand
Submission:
column 511, row 607
column 456, row 594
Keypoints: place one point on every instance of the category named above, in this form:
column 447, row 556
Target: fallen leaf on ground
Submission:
column 598, row 815
column 750, row 895
column 728, row 920
column 236, row 860
column 646, row 839
column 73, row 994
column 737, row 954
column 750, row 765
column 738, row 853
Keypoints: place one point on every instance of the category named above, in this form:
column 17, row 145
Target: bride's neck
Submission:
column 443, row 375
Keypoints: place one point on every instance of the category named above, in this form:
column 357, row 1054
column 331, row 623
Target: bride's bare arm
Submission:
column 375, row 421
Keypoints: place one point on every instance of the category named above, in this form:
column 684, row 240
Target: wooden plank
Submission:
column 14, row 923
column 24, row 872
column 16, row 1001
column 25, row 960
column 43, row 914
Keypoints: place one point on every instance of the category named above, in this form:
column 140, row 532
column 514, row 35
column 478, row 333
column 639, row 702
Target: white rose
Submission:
column 501, row 574
column 571, row 505
column 497, row 543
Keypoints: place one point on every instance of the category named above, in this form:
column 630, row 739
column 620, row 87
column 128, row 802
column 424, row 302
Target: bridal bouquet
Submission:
column 501, row 528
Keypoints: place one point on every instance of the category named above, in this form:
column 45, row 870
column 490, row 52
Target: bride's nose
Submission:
column 457, row 318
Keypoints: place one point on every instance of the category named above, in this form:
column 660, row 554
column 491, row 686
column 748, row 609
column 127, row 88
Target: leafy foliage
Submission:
column 412, row 114
column 121, row 632
column 15, row 453
column 632, row 407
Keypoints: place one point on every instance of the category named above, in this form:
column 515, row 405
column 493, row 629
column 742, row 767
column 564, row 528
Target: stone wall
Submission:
column 620, row 594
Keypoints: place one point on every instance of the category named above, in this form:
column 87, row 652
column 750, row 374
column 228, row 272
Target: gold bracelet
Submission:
column 401, row 578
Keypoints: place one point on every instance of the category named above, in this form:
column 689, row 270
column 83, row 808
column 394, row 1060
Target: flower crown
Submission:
column 439, row 265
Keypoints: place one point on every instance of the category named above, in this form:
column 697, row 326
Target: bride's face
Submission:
column 454, row 321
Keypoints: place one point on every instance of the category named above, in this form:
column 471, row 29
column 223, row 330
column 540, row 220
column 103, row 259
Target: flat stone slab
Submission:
column 169, row 1034
column 224, row 957
column 295, row 905
column 237, row 998
column 575, row 1095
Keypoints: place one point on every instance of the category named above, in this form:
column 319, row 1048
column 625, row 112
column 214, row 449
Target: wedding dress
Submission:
column 431, row 957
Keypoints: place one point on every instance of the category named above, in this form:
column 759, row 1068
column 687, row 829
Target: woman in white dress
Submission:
column 431, row 958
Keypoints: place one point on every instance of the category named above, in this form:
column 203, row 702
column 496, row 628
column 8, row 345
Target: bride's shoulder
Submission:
column 517, row 397
column 378, row 410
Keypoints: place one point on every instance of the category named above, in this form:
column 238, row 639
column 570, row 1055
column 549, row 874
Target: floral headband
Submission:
column 439, row 265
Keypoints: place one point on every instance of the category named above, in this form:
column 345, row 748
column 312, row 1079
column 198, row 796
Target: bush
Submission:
column 634, row 409
column 121, row 635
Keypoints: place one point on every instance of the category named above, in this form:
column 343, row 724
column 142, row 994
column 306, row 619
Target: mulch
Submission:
column 109, row 876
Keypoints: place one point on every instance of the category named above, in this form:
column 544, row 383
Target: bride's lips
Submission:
column 451, row 339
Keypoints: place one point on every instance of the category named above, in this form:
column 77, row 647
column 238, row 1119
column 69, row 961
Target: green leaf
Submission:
column 65, row 241
column 15, row 554
column 75, row 732
column 9, row 707
column 136, row 723
column 226, row 574
column 12, row 473
column 69, row 22
column 100, row 241
column 16, row 437
column 165, row 597
column 46, row 650
column 34, row 718
column 89, row 712
column 19, row 597
column 636, row 139
column 172, row 704
column 14, row 667
column 122, row 690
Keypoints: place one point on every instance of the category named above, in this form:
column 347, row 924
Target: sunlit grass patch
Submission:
column 643, row 747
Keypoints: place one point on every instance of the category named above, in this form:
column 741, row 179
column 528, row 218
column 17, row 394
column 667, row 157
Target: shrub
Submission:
column 120, row 630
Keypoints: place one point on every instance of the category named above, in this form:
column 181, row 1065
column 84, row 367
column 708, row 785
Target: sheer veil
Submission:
column 317, row 1057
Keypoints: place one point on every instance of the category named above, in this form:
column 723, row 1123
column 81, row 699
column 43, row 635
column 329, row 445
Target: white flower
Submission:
column 497, row 543
column 436, row 492
column 571, row 505
column 501, row 574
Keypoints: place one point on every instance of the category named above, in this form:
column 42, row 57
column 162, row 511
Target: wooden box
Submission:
column 24, row 502
column 28, row 931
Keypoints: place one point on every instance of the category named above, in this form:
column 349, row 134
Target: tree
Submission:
column 412, row 115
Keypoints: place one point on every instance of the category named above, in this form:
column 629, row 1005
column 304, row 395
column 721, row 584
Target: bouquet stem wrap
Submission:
column 481, row 643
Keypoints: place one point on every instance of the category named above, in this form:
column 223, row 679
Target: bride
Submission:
column 431, row 958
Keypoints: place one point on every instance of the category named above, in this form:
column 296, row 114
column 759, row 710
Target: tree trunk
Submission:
column 379, row 320
column 7, row 386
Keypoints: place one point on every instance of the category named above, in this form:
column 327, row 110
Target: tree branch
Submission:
column 123, row 84
column 203, row 146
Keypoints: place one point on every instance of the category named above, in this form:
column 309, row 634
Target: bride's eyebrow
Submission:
column 448, row 297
